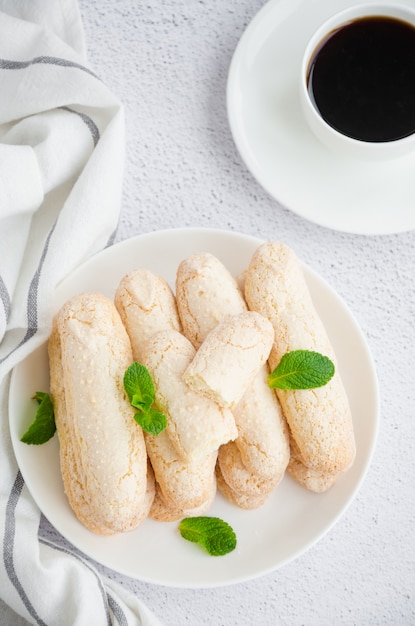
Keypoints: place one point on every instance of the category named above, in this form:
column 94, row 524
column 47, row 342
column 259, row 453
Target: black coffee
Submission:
column 362, row 79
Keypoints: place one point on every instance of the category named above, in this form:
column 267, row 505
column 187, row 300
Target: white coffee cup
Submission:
column 340, row 143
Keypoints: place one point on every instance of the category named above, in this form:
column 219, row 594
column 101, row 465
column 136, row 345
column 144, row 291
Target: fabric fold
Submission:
column 61, row 172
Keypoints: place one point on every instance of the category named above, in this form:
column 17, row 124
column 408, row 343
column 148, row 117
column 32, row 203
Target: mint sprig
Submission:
column 301, row 369
column 139, row 388
column 151, row 421
column 43, row 427
column 212, row 533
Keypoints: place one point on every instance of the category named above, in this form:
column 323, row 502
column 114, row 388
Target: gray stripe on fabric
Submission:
column 74, row 554
column 93, row 128
column 6, row 64
column 8, row 547
column 32, row 299
column 5, row 298
column 117, row 611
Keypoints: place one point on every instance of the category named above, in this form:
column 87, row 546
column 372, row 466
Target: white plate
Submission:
column 281, row 151
column 288, row 524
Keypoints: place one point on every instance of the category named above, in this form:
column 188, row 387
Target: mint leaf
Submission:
column 152, row 421
column 212, row 533
column 43, row 426
column 143, row 402
column 301, row 369
column 139, row 388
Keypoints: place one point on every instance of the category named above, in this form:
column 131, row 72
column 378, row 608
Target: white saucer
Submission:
column 279, row 149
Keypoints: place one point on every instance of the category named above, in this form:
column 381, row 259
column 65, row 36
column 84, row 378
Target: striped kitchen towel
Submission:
column 61, row 169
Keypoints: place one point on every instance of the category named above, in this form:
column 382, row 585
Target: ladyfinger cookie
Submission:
column 230, row 357
column 315, row 481
column 320, row 420
column 183, row 484
column 239, row 498
column 102, row 450
column 255, row 463
column 146, row 305
column 238, row 477
column 263, row 439
column 311, row 479
column 162, row 511
column 196, row 425
column 206, row 294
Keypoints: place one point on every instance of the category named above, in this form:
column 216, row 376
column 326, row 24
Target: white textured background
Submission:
column 167, row 60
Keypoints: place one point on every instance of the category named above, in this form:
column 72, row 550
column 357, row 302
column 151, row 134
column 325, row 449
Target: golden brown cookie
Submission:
column 320, row 420
column 146, row 305
column 196, row 425
column 102, row 450
column 230, row 357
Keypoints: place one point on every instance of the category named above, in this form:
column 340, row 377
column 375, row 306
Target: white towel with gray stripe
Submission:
column 61, row 170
